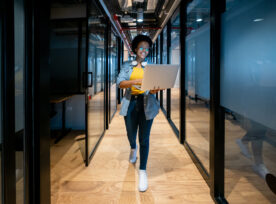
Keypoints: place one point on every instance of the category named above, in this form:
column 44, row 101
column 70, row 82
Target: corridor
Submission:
column 110, row 178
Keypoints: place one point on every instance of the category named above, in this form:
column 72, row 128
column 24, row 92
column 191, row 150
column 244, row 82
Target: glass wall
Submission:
column 197, row 74
column 158, row 50
column 164, row 61
column 66, row 63
column 113, row 74
column 248, row 93
column 96, row 64
column 175, row 59
column 19, row 37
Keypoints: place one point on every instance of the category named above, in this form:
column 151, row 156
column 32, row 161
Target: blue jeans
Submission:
column 136, row 118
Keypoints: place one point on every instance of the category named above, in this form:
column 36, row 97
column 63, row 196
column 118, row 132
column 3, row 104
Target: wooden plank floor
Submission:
column 110, row 178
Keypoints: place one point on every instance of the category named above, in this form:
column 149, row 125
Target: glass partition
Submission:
column 113, row 74
column 175, row 59
column 96, row 76
column 248, row 94
column 19, row 56
column 164, row 61
column 197, row 75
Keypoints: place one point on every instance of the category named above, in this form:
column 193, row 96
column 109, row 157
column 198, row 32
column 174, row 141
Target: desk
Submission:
column 54, row 99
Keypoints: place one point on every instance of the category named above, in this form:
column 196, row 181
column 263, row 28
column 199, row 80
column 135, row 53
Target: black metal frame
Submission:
column 8, row 103
column 169, row 29
column 119, row 54
column 107, row 89
column 87, row 160
column 182, row 99
column 217, row 127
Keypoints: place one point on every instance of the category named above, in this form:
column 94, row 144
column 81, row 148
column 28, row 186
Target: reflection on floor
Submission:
column 242, row 183
column 197, row 129
column 110, row 178
column 95, row 119
column 175, row 108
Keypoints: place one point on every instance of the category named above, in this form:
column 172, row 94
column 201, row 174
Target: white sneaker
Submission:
column 261, row 170
column 132, row 156
column 143, row 180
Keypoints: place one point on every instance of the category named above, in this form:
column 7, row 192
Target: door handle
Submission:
column 91, row 79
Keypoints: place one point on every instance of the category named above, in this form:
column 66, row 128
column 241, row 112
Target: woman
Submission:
column 138, row 107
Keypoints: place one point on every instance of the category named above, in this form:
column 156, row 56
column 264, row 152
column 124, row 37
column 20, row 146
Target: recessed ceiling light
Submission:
column 199, row 20
column 258, row 19
column 140, row 17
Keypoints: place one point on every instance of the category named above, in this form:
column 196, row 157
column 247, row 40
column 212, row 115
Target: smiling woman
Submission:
column 138, row 107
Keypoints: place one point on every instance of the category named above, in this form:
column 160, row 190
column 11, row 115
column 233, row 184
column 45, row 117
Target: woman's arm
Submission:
column 128, row 83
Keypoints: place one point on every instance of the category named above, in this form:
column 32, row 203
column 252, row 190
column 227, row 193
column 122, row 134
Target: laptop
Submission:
column 159, row 76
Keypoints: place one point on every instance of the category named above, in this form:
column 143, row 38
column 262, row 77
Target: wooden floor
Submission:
column 110, row 178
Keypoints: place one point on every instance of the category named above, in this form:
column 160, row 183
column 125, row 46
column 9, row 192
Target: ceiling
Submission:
column 155, row 12
column 123, row 15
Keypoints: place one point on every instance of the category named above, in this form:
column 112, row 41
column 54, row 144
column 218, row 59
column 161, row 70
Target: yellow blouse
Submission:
column 137, row 73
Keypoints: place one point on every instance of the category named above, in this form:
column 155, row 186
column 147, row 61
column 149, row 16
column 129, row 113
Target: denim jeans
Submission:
column 136, row 118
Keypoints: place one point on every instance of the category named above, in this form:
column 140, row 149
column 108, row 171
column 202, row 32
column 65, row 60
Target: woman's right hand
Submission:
column 129, row 83
column 136, row 82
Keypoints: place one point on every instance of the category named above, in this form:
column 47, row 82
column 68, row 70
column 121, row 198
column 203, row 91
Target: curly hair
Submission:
column 138, row 39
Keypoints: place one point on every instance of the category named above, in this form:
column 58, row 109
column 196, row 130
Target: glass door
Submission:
column 113, row 74
column 198, row 80
column 95, row 97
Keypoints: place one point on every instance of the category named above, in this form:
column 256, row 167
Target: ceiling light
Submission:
column 258, row 19
column 140, row 17
column 126, row 19
column 199, row 20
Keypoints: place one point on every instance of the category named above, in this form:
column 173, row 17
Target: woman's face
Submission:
column 142, row 49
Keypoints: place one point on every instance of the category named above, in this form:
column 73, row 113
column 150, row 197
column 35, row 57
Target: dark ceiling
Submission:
column 155, row 13
column 151, row 11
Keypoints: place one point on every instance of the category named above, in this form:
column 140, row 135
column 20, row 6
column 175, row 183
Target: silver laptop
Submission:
column 159, row 76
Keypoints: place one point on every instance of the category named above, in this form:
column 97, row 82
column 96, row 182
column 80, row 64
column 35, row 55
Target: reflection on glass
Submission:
column 96, row 65
column 113, row 74
column 64, row 47
column 158, row 50
column 198, row 79
column 248, row 93
column 164, row 61
column 19, row 95
column 175, row 59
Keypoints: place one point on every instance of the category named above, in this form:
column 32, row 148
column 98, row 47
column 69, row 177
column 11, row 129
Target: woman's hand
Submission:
column 154, row 91
column 129, row 83
column 136, row 82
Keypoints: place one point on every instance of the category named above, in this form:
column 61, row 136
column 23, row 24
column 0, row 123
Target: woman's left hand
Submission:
column 154, row 91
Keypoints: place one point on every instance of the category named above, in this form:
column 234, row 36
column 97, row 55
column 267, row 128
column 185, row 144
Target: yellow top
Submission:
column 137, row 73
